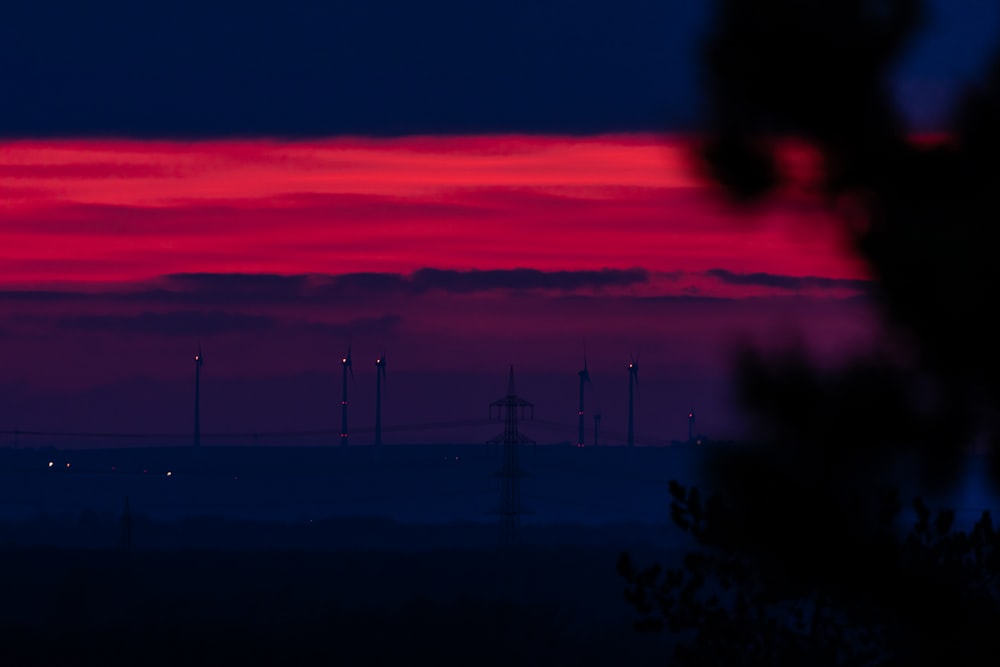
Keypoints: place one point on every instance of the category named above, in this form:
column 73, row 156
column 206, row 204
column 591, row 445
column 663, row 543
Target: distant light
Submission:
column 378, row 361
column 699, row 442
column 196, row 357
column 344, row 360
column 169, row 474
column 51, row 463
column 67, row 465
column 456, row 458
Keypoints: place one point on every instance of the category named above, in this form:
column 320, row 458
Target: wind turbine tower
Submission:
column 345, row 362
column 691, row 425
column 379, row 376
column 633, row 379
column 510, row 472
column 198, row 361
column 584, row 378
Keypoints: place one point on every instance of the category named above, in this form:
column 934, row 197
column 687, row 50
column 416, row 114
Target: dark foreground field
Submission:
column 349, row 556
column 538, row 605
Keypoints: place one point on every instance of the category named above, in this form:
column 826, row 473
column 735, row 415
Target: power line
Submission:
column 305, row 433
column 617, row 435
column 137, row 435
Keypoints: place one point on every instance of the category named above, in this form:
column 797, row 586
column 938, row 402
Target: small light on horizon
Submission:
column 51, row 463
column 169, row 474
column 67, row 465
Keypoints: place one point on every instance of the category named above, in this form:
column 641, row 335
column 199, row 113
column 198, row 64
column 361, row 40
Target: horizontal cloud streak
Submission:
column 791, row 283
column 525, row 279
column 385, row 206
column 248, row 290
column 245, row 288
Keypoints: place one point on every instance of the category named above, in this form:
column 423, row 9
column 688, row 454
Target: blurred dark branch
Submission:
column 802, row 558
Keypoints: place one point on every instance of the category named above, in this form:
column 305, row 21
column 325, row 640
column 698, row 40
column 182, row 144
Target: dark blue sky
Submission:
column 193, row 68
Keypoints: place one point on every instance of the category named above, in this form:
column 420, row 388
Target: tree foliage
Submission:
column 805, row 557
column 929, row 598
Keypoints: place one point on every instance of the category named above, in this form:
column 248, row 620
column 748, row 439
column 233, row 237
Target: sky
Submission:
column 458, row 186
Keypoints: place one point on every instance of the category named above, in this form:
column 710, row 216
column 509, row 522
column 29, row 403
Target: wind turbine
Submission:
column 633, row 379
column 379, row 376
column 199, row 359
column 345, row 362
column 584, row 378
column 691, row 425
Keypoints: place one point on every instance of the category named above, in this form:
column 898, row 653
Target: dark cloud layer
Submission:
column 791, row 283
column 524, row 279
column 239, row 289
column 232, row 288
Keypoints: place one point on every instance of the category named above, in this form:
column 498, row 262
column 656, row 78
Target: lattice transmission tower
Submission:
column 509, row 408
